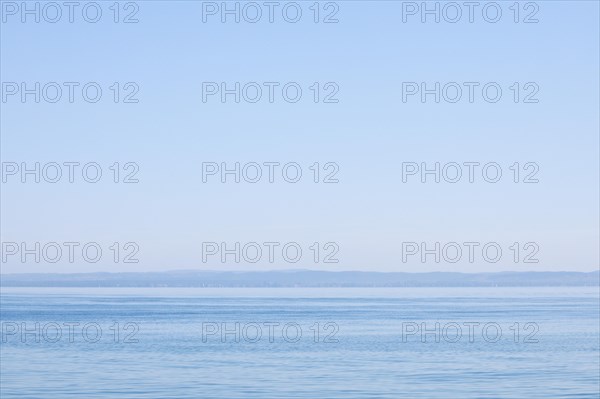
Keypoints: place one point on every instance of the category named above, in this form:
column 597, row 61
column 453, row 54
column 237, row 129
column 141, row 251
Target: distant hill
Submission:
column 301, row 278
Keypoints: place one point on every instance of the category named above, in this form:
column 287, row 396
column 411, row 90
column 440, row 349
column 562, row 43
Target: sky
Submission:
column 368, row 132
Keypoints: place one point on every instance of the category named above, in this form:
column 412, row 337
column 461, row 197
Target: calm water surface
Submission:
column 300, row 343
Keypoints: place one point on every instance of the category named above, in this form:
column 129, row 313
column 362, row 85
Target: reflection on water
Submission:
column 308, row 343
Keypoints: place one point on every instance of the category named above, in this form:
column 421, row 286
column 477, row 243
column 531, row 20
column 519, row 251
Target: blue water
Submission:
column 169, row 343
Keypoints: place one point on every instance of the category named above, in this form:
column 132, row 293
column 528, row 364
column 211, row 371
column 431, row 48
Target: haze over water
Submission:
column 345, row 143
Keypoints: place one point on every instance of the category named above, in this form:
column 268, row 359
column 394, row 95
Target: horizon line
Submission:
column 302, row 270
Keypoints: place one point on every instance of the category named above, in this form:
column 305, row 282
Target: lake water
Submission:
column 300, row 343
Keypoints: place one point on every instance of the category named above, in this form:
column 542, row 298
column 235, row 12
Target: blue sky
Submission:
column 369, row 133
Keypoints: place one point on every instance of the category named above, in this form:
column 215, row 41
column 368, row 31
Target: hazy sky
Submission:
column 367, row 134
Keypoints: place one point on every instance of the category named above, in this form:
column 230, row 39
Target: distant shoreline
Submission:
column 301, row 278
